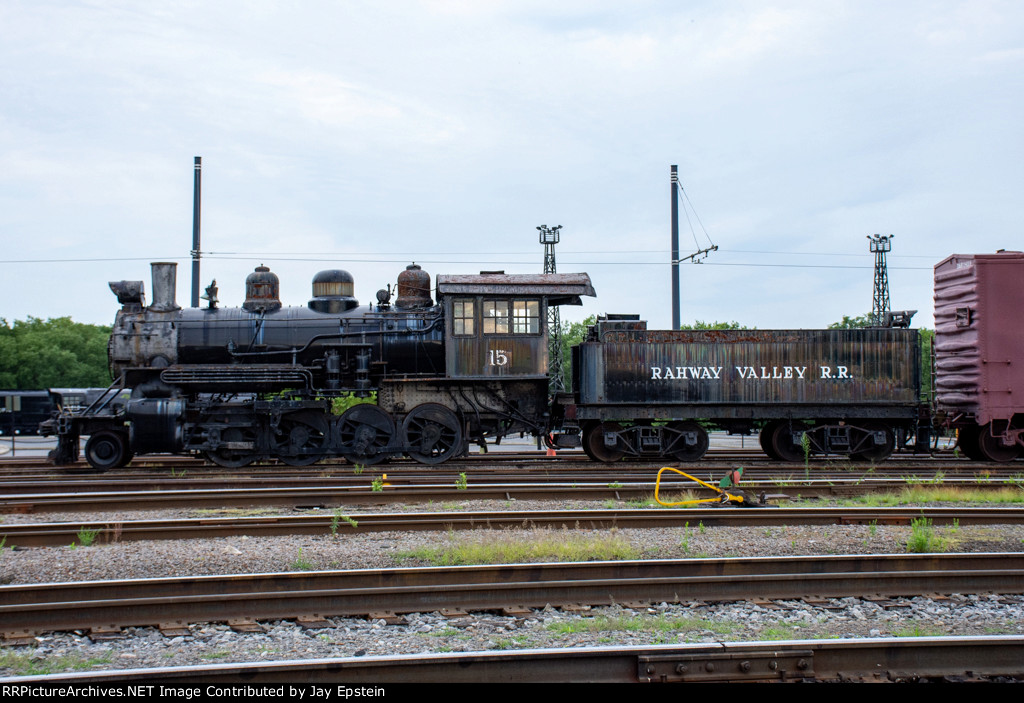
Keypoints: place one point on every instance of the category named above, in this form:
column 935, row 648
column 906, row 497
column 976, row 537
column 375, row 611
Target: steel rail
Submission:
column 64, row 533
column 172, row 603
column 328, row 496
column 55, row 483
column 879, row 660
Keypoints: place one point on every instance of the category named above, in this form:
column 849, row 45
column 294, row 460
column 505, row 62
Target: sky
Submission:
column 367, row 135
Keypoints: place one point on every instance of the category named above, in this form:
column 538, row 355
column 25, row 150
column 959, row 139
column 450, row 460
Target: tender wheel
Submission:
column 594, row 446
column 107, row 450
column 364, row 431
column 765, row 438
column 877, row 452
column 678, row 446
column 433, row 433
column 234, row 458
column 991, row 449
column 302, row 438
column 782, row 441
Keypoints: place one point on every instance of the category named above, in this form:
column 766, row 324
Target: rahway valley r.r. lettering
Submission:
column 746, row 373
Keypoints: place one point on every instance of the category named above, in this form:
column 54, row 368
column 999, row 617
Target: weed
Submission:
column 685, row 542
column 358, row 469
column 461, row 483
column 652, row 624
column 178, row 474
column 87, row 537
column 873, row 527
column 614, row 484
column 377, row 485
column 917, row 630
column 302, row 564
column 805, row 444
column 609, row 504
column 28, row 663
column 923, row 538
column 338, row 518
column 700, row 527
column 514, row 546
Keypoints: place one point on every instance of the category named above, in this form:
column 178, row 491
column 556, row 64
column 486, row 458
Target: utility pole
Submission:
column 676, row 322
column 696, row 257
column 549, row 238
column 196, row 200
column 880, row 244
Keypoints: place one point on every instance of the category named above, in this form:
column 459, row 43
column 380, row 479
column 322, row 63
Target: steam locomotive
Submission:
column 424, row 379
column 264, row 381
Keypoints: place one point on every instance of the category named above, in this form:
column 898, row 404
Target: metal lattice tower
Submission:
column 880, row 244
column 549, row 238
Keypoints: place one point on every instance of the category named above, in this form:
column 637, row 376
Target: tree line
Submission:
column 54, row 353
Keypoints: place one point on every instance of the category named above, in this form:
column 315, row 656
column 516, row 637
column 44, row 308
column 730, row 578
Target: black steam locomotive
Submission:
column 264, row 381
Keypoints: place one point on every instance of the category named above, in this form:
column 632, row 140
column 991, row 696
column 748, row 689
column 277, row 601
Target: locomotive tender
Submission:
column 243, row 384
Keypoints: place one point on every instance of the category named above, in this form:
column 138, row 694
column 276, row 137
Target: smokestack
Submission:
column 165, row 285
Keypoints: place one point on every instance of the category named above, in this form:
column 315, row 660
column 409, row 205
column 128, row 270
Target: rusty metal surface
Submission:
column 25, row 609
column 837, row 368
column 561, row 287
column 60, row 534
column 979, row 335
column 879, row 660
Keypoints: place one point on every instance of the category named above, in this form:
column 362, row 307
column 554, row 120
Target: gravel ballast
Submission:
column 965, row 614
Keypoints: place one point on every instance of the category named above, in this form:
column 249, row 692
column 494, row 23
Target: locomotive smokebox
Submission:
column 165, row 284
column 413, row 288
column 262, row 291
column 333, row 292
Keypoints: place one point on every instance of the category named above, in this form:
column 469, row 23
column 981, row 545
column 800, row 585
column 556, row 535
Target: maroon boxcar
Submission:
column 979, row 351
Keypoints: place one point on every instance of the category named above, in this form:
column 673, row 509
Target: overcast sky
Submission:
column 365, row 135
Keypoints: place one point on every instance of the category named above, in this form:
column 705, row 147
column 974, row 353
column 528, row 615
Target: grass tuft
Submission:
column 516, row 546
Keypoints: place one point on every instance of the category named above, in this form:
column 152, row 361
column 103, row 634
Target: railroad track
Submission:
column 329, row 497
column 62, row 534
column 104, row 607
column 853, row 660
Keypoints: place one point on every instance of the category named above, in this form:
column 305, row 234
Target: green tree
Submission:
column 55, row 353
column 852, row 323
column 573, row 333
column 716, row 325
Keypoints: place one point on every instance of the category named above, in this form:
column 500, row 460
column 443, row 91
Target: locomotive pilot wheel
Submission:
column 432, row 433
column 302, row 438
column 107, row 450
column 364, row 431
